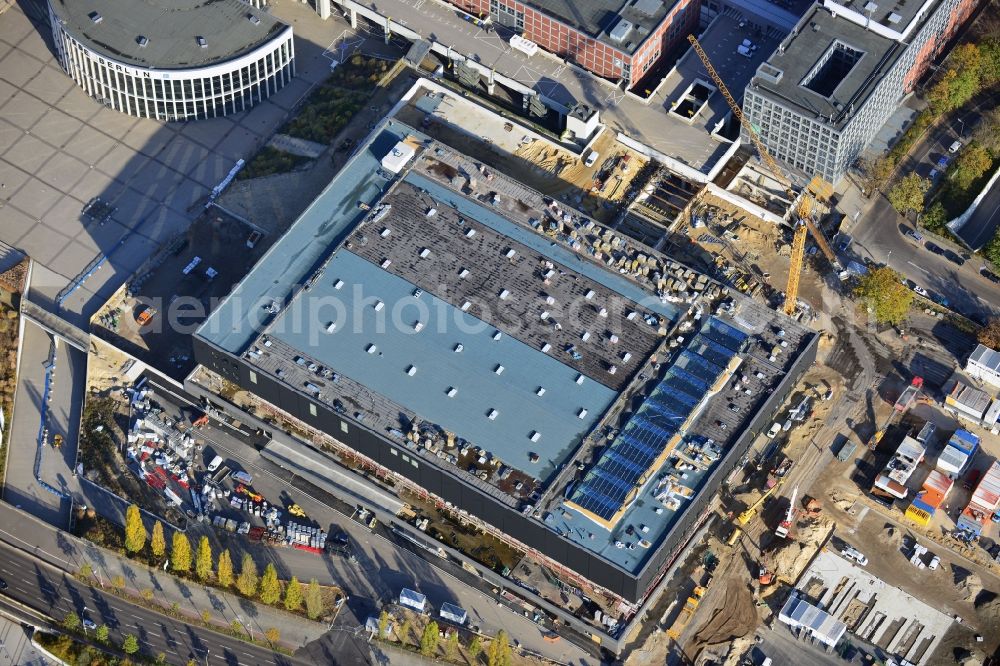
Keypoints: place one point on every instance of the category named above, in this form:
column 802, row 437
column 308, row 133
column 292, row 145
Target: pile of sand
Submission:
column 788, row 560
column 971, row 586
column 988, row 608
column 892, row 535
column 842, row 501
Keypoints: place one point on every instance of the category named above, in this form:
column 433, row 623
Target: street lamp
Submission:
column 961, row 122
column 207, row 652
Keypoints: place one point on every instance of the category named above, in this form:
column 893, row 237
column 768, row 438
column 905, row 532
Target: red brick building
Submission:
column 617, row 40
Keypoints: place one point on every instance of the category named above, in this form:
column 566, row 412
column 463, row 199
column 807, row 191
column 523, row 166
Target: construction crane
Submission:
column 786, row 525
column 751, row 511
column 817, row 188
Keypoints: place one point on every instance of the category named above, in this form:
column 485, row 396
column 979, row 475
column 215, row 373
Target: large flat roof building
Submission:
column 176, row 60
column 572, row 393
column 837, row 78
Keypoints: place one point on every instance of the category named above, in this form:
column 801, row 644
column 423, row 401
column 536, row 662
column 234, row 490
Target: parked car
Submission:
column 855, row 555
column 215, row 464
column 938, row 298
column 591, row 158
column 920, row 290
column 955, row 147
column 89, row 624
column 953, row 257
column 936, row 249
column 934, row 563
column 989, row 275
column 914, row 235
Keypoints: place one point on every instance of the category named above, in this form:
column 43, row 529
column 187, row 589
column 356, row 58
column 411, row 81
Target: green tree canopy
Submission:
column 270, row 587
column 131, row 644
column 203, row 559
column 970, row 165
column 180, row 553
column 293, row 595
column 314, row 600
column 498, row 653
column 135, row 531
column 875, row 173
column 989, row 335
column 248, row 581
column 224, row 572
column 883, row 292
column 908, row 194
column 429, row 639
column 71, row 622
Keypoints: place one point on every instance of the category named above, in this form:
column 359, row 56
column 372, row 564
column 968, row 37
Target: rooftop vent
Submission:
column 540, row 391
column 418, row 326
column 412, row 370
column 253, row 18
column 386, row 263
column 612, row 369
column 385, row 232
column 510, row 253
column 425, row 252
column 504, row 293
column 339, row 284
column 202, row 42
column 431, row 212
column 497, row 335
column 626, row 357
column 585, row 336
column 466, row 305
column 621, row 31
column 95, row 17
column 379, row 305
column 550, row 300
column 469, row 233
column 371, row 349
column 498, row 370
column 492, row 415
column 464, row 273
column 582, row 414
column 546, row 347
column 871, row 6
column 579, row 378
column 459, row 347
column 331, row 327
column 452, row 391
column 613, row 339
column 142, row 41
column 895, row 18
column 535, row 436
column 590, row 294
column 631, row 315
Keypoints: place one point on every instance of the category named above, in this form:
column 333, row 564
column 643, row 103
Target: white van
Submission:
column 215, row 464
column 591, row 159
column 955, row 147
column 854, row 554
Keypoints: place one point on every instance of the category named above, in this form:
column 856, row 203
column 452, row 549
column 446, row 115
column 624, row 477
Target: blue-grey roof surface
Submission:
column 471, row 372
column 295, row 255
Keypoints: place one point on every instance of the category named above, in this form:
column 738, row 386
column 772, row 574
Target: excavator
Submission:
column 751, row 510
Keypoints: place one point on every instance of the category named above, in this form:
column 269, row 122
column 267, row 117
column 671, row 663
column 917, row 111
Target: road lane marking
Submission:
column 920, row 268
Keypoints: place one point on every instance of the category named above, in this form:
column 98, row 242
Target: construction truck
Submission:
column 751, row 510
column 905, row 401
column 690, row 606
column 785, row 526
column 765, row 577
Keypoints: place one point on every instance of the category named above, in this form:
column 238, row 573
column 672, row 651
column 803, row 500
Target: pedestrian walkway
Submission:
column 69, row 553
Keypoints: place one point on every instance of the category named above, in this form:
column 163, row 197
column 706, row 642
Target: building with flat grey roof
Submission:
column 837, row 78
column 577, row 395
column 178, row 60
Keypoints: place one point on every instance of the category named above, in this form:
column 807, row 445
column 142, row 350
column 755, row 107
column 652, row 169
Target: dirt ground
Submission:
column 734, row 617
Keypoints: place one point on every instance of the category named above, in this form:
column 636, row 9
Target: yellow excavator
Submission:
column 751, row 511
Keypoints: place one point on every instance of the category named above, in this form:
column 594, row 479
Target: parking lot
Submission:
column 59, row 149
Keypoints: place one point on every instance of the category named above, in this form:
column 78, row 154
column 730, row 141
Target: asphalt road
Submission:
column 52, row 592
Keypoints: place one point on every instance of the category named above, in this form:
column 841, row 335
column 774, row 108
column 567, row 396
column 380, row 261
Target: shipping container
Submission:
column 412, row 599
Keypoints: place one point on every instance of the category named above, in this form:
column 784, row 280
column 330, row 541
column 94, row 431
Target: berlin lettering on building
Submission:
column 123, row 68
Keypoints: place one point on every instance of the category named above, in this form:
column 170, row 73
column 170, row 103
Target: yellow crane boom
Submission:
column 817, row 188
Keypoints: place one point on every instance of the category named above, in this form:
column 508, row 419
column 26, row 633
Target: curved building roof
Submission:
column 170, row 28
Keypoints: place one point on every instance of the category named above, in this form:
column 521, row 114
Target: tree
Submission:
column 383, row 624
column 452, row 646
column 499, row 651
column 475, row 647
column 135, row 531
column 180, row 553
column 224, row 572
column 936, row 217
column 131, row 644
column 101, row 633
column 885, row 295
column 161, row 659
column 293, row 595
column 206, row 616
column 203, row 559
column 236, row 627
column 86, row 571
column 875, row 173
column 157, row 544
column 71, row 622
column 970, row 165
column 989, row 335
column 273, row 635
column 118, row 582
column 270, row 587
column 908, row 194
column 314, row 600
column 404, row 631
column 987, row 133
column 429, row 639
column 247, row 581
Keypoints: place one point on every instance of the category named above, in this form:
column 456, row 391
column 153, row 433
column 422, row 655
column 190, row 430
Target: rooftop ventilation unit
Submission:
column 585, row 336
column 339, row 284
column 631, row 315
column 379, row 305
column 498, row 370
column 202, row 42
column 895, row 18
column 386, row 263
column 510, row 253
column 331, row 327
column 613, row 339
column 385, row 232
column 371, row 348
column 549, row 300
column 544, row 315
column 412, row 370
column 466, row 305
column 95, row 17
column 621, row 31
column 424, row 253
column 582, row 414
column 540, row 391
column 603, row 312
column 626, row 357
column 418, row 326
column 871, row 6
column 253, row 19
column 452, row 391
column 612, row 369
column 431, row 212
column 590, row 294
column 464, row 273
column 535, row 436
column 546, row 347
column 579, row 378
column 459, row 347
column 504, row 293
column 469, row 233
column 492, row 415
column 497, row 335
column 142, row 41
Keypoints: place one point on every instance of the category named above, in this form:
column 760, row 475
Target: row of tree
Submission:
column 267, row 588
column 498, row 653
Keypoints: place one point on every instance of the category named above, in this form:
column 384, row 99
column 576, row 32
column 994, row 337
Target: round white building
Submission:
column 173, row 59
